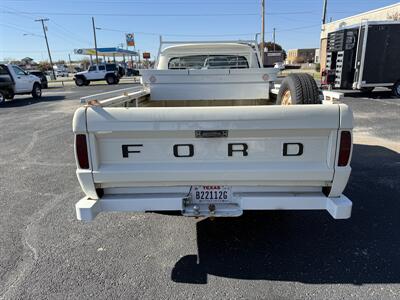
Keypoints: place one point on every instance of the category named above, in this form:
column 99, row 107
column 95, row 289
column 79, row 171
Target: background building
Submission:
column 299, row 56
column 387, row 13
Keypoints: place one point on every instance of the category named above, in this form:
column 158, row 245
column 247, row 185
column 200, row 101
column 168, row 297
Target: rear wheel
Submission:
column 79, row 81
column 298, row 89
column 396, row 89
column 37, row 91
column 111, row 79
column 87, row 82
column 2, row 97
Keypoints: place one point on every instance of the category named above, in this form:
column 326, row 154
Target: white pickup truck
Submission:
column 202, row 136
column 16, row 81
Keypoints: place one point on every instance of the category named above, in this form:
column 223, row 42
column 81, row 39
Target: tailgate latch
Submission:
column 211, row 133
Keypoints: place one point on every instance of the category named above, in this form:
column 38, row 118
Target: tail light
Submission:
column 82, row 151
column 345, row 148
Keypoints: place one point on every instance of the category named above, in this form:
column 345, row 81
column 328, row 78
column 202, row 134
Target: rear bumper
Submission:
column 338, row 207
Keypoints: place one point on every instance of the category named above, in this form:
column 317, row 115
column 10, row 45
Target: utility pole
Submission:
column 47, row 44
column 324, row 11
column 274, row 39
column 70, row 62
column 95, row 41
column 262, row 30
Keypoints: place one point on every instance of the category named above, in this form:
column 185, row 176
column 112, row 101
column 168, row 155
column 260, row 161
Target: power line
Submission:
column 137, row 15
column 70, row 33
column 173, row 34
column 18, row 28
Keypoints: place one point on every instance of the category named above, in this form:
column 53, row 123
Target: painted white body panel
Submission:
column 222, row 84
column 242, row 49
column 263, row 128
column 167, row 156
column 23, row 82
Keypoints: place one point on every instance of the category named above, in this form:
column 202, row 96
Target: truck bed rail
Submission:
column 116, row 97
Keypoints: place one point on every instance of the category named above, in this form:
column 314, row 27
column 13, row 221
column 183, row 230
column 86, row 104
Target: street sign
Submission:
column 130, row 39
column 146, row 55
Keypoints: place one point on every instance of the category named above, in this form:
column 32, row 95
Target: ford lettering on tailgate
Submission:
column 188, row 150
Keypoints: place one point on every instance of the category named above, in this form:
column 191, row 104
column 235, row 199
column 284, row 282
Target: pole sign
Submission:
column 85, row 51
column 146, row 55
column 130, row 40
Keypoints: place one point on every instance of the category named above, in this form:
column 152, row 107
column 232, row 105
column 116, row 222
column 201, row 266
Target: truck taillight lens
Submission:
column 81, row 151
column 345, row 148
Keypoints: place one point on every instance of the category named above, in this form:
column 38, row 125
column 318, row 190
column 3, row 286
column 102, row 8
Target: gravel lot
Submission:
column 45, row 253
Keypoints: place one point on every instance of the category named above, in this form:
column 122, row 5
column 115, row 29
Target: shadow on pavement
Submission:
column 372, row 95
column 29, row 101
column 310, row 247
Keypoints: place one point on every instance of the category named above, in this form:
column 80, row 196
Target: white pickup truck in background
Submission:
column 202, row 136
column 19, row 81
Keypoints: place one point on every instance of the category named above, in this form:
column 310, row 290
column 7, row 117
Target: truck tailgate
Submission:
column 181, row 146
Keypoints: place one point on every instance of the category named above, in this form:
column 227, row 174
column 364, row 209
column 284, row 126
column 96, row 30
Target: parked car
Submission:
column 22, row 82
column 42, row 76
column 111, row 73
column 132, row 72
column 61, row 73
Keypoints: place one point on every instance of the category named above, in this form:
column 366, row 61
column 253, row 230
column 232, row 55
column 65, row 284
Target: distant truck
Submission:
column 364, row 57
column 111, row 73
column 16, row 81
column 61, row 70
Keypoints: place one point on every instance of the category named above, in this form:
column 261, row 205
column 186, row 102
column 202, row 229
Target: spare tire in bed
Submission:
column 298, row 89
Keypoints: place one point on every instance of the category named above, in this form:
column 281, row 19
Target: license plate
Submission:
column 211, row 194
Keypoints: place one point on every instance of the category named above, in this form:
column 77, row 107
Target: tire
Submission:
column 117, row 81
column 87, row 82
column 111, row 79
column 80, row 81
column 37, row 91
column 396, row 89
column 2, row 97
column 298, row 89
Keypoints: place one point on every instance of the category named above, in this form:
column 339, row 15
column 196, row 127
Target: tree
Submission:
column 44, row 66
column 270, row 47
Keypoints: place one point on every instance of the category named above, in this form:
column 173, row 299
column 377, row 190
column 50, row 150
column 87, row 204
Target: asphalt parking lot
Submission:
column 45, row 253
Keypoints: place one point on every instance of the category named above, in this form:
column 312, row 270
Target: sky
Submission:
column 297, row 23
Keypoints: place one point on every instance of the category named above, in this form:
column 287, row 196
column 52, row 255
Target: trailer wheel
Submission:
column 298, row 89
column 37, row 91
column 396, row 89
